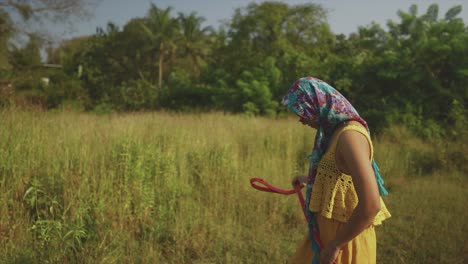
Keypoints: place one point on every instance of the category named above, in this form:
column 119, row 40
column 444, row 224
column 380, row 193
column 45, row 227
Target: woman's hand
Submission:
column 299, row 179
column 329, row 254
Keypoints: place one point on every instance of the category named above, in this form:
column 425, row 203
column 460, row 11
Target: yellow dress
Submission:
column 333, row 199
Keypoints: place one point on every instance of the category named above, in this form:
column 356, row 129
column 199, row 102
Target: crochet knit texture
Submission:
column 333, row 194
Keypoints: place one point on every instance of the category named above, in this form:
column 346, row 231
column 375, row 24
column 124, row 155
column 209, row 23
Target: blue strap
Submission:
column 315, row 248
column 312, row 224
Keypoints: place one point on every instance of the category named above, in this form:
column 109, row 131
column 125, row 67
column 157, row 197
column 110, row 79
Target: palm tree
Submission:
column 6, row 31
column 162, row 30
column 194, row 38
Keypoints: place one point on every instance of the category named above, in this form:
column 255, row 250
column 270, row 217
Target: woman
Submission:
column 343, row 185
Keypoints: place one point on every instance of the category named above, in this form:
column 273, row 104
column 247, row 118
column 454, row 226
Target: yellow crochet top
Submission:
column 333, row 194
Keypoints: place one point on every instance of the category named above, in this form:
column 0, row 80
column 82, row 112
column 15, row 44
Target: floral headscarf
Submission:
column 315, row 100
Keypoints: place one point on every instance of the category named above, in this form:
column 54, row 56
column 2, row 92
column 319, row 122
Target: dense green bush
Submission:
column 136, row 95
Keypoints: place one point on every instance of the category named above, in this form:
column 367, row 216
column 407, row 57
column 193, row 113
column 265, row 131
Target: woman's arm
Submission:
column 353, row 153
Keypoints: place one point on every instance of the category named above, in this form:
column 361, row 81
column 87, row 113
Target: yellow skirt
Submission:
column 361, row 250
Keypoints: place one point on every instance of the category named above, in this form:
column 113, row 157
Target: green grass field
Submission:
column 168, row 188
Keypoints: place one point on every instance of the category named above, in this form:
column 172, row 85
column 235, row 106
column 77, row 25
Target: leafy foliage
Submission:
column 409, row 73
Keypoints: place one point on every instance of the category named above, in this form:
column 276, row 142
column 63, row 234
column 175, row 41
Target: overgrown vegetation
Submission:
column 168, row 188
column 414, row 71
column 91, row 173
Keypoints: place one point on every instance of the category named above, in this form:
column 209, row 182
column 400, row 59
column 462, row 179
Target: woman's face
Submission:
column 308, row 123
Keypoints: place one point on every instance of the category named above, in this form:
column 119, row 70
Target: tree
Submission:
column 26, row 57
column 412, row 73
column 65, row 54
column 27, row 15
column 138, row 57
column 298, row 37
column 103, row 64
column 161, row 30
column 194, row 40
column 5, row 34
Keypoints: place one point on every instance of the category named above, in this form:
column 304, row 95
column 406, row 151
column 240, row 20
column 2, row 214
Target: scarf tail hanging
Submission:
column 312, row 226
column 378, row 177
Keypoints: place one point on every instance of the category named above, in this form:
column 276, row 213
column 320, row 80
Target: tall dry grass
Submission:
column 170, row 188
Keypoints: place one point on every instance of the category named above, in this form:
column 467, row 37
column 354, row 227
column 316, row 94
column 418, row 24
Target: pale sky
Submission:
column 344, row 16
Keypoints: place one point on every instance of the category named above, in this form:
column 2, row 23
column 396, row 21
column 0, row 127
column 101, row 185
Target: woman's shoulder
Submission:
column 354, row 139
column 353, row 130
column 354, row 126
column 349, row 128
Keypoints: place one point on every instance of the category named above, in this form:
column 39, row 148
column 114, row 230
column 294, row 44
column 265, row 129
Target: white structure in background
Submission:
column 45, row 81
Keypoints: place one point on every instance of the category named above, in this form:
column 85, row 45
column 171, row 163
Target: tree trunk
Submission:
column 161, row 59
column 196, row 65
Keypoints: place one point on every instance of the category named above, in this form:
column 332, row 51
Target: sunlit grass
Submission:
column 174, row 188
